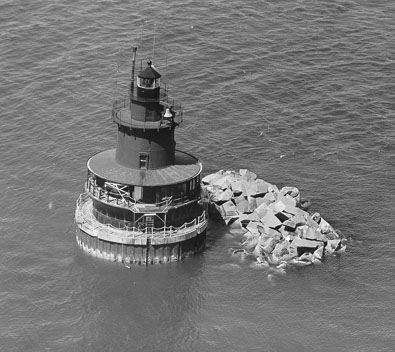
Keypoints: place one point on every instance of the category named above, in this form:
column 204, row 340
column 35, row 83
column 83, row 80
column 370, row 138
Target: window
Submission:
column 148, row 83
column 149, row 218
column 138, row 193
column 144, row 161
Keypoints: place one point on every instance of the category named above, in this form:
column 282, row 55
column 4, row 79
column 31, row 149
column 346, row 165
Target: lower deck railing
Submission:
column 124, row 201
column 85, row 217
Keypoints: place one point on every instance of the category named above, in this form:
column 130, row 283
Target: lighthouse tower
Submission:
column 141, row 202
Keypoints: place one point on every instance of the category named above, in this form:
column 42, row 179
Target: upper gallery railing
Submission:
column 127, row 120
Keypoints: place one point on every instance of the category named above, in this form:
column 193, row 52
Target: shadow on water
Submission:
column 141, row 308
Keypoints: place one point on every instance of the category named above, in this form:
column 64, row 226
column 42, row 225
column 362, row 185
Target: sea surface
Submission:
column 301, row 92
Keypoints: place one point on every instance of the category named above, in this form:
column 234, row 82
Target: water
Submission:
column 300, row 92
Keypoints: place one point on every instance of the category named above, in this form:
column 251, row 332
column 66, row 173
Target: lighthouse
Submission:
column 141, row 200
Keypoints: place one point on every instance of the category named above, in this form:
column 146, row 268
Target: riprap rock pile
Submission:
column 278, row 228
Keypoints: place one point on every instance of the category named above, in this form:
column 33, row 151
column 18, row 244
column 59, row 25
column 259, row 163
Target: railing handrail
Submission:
column 125, row 102
column 171, row 230
column 131, row 203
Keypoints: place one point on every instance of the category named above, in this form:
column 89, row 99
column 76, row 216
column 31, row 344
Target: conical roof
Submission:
column 149, row 72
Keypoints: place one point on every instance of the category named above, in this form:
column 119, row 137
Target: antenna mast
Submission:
column 153, row 44
column 141, row 39
column 133, row 65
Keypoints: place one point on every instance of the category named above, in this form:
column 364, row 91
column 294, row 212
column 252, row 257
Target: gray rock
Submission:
column 253, row 227
column 291, row 192
column 222, row 196
column 239, row 187
column 276, row 206
column 239, row 198
column 251, row 203
column 209, row 179
column 270, row 220
column 312, row 234
column 261, row 210
column 223, row 182
column 332, row 246
column 247, row 175
column 290, row 225
column 243, row 206
column 319, row 253
column 307, row 256
column 251, row 242
column 273, row 233
column 253, row 217
column 269, row 198
column 280, row 249
column 276, row 227
column 229, row 209
column 267, row 244
column 262, row 187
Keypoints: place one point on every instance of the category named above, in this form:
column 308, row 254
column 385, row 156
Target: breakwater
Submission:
column 278, row 228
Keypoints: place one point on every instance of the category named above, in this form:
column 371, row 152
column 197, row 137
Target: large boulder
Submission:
column 229, row 209
column 278, row 226
column 239, row 187
column 261, row 210
column 270, row 220
column 291, row 193
column 220, row 196
column 243, row 206
column 267, row 244
column 251, row 240
column 247, row 175
column 210, row 179
column 223, row 182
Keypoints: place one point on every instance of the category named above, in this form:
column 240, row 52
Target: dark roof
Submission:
column 105, row 166
column 149, row 72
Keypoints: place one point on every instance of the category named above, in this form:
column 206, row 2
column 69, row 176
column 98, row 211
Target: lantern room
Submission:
column 148, row 82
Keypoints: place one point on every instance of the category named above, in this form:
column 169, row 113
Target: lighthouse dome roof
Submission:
column 149, row 72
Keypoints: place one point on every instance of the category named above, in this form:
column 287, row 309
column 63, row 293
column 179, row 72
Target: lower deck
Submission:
column 141, row 245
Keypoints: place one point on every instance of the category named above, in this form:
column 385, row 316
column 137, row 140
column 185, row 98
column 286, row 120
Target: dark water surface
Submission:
column 300, row 92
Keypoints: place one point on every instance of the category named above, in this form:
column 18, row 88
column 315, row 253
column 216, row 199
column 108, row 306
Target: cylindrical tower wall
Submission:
column 156, row 146
column 146, row 112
